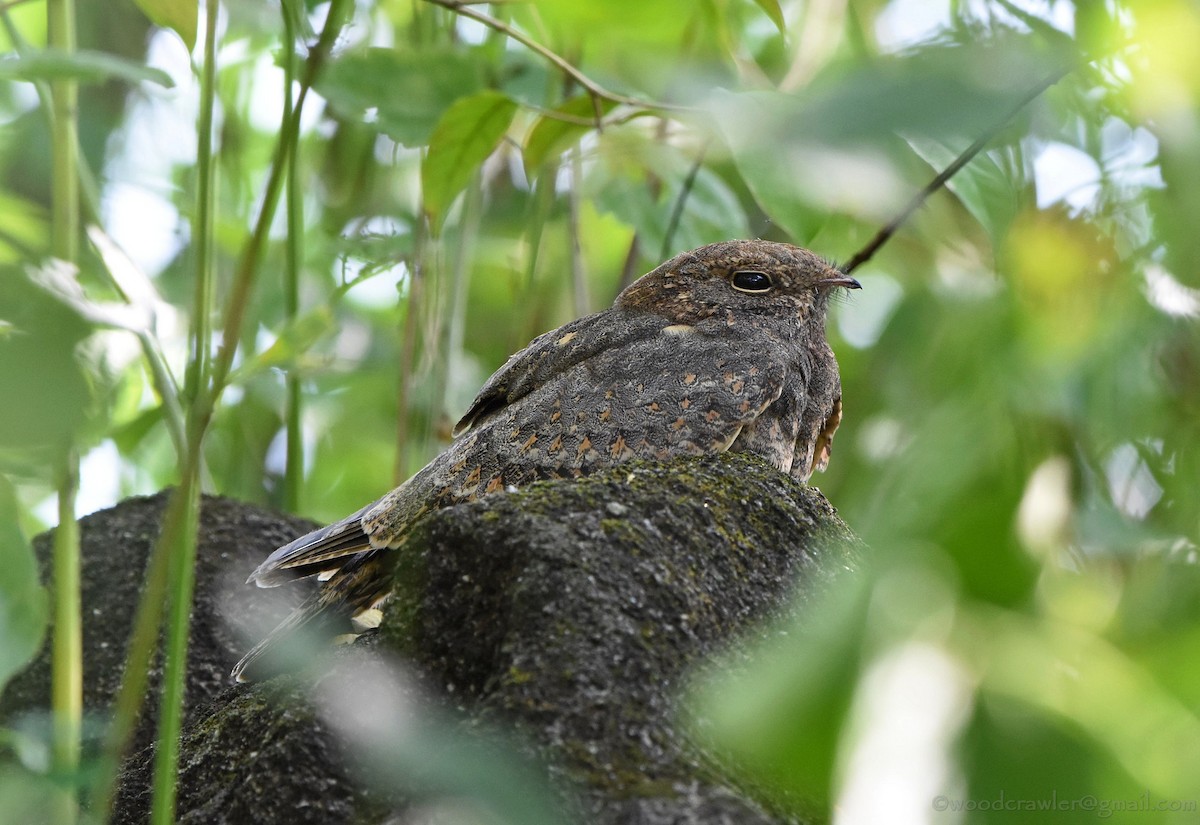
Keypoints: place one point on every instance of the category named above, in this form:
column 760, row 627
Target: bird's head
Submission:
column 761, row 278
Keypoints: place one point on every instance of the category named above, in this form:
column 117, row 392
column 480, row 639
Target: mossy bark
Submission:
column 573, row 613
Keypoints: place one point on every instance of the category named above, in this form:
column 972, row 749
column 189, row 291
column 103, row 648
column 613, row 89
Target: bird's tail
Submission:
column 310, row 624
column 347, row 602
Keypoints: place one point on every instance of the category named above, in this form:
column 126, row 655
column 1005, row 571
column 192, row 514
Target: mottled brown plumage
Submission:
column 721, row 348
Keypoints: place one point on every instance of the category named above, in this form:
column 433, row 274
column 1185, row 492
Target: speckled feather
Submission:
column 684, row 363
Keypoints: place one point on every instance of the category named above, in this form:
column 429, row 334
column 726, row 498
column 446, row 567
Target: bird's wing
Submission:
column 652, row 391
column 312, row 552
column 548, row 355
column 648, row 397
column 684, row 391
column 554, row 353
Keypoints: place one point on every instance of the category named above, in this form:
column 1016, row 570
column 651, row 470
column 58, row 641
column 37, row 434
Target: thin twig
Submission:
column 680, row 200
column 594, row 89
column 881, row 237
column 627, row 266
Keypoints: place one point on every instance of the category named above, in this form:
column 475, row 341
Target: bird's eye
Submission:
column 753, row 282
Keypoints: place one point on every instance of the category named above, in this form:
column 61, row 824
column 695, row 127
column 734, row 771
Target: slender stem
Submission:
column 89, row 193
column 202, row 298
column 574, row 210
column 562, row 64
column 881, row 237
column 247, row 266
column 408, row 353
column 293, row 255
column 180, row 586
column 67, row 656
column 176, row 521
column 457, row 287
column 181, row 554
column 168, row 390
column 128, row 702
column 628, row 272
column 65, row 98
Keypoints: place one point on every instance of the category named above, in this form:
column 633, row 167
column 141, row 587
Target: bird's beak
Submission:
column 841, row 280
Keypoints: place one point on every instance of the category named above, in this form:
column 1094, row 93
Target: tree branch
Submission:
column 593, row 88
column 883, row 235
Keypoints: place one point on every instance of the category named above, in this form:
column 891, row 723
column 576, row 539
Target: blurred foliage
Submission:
column 1021, row 373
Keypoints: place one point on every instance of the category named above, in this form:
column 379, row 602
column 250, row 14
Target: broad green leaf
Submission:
column 828, row 147
column 551, row 134
column 772, row 10
column 84, row 66
column 983, row 187
column 177, row 15
column 436, row 754
column 292, row 344
column 23, row 601
column 25, row 228
column 61, row 281
column 625, row 24
column 402, row 93
column 464, row 138
column 938, row 92
column 48, row 393
column 711, row 211
column 779, row 716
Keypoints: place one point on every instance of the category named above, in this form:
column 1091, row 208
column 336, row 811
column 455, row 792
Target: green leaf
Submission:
column 621, row 26
column 466, row 135
column 711, row 210
column 778, row 717
column 825, row 150
column 23, row 601
column 49, row 394
column 25, row 225
column 401, row 93
column 61, row 281
column 986, row 190
column 292, row 344
column 552, row 135
column 84, row 66
column 771, row 7
column 178, row 15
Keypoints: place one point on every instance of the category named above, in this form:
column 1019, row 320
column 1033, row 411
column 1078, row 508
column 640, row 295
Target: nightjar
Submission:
column 721, row 348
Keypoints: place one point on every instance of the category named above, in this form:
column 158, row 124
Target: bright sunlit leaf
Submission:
column 772, row 10
column 466, row 135
column 178, row 15
column 83, row 66
column 551, row 134
column 293, row 343
column 401, row 92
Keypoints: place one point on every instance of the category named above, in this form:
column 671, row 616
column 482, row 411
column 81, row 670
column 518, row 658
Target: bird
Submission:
column 722, row 348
